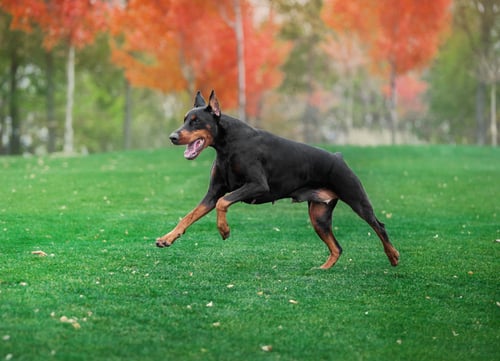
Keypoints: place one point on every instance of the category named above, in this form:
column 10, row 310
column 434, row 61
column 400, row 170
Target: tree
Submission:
column 237, row 24
column 400, row 35
column 259, row 55
column 170, row 56
column 74, row 23
column 264, row 57
column 147, row 49
column 306, row 68
column 13, row 45
column 479, row 20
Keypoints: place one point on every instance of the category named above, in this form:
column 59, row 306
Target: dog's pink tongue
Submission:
column 193, row 149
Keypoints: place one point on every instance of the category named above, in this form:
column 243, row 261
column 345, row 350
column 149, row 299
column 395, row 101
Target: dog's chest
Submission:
column 233, row 171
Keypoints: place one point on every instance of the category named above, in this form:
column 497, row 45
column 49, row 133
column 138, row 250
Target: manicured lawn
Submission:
column 105, row 292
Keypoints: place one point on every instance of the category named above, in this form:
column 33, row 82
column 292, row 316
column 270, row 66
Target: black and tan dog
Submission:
column 254, row 166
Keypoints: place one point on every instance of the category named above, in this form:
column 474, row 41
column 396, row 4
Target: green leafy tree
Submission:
column 451, row 115
column 306, row 69
column 21, row 82
column 479, row 20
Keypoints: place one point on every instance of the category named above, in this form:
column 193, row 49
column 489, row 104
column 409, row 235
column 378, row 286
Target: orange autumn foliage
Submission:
column 173, row 45
column 145, row 45
column 74, row 22
column 402, row 33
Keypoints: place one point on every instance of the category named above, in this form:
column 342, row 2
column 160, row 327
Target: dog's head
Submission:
column 200, row 126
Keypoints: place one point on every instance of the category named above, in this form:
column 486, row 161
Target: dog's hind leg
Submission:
column 364, row 209
column 321, row 219
column 389, row 249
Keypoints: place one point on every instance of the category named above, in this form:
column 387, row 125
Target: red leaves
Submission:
column 169, row 45
column 24, row 12
column 172, row 45
column 145, row 45
column 76, row 22
column 403, row 33
column 410, row 32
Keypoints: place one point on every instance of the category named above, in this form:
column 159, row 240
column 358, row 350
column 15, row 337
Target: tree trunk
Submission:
column 493, row 124
column 68, row 124
column 310, row 129
column 240, row 44
column 480, row 105
column 51, row 121
column 349, row 99
column 2, row 128
column 393, row 113
column 127, row 121
column 15, row 136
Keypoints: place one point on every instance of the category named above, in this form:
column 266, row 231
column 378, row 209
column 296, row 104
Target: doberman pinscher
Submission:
column 254, row 166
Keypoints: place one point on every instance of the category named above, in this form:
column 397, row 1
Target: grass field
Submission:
column 105, row 292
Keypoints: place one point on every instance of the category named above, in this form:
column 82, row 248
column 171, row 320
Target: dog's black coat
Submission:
column 255, row 166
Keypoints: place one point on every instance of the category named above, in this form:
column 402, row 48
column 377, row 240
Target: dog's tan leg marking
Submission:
column 181, row 227
column 221, row 208
column 325, row 196
column 391, row 252
column 321, row 219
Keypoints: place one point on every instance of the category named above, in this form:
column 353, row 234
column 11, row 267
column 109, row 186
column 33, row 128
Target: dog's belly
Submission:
column 321, row 195
column 265, row 198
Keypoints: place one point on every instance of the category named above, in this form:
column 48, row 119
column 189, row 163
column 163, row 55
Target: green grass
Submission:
column 97, row 218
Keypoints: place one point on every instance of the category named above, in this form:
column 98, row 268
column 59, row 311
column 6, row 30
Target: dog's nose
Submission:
column 174, row 138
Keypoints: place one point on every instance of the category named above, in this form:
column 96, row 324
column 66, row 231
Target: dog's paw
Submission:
column 394, row 258
column 392, row 255
column 167, row 240
column 224, row 230
column 162, row 243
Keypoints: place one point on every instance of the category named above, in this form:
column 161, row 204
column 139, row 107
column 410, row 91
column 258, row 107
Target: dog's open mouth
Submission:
column 194, row 149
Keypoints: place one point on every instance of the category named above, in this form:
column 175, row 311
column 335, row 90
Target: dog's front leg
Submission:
column 215, row 191
column 222, row 226
column 167, row 240
column 248, row 191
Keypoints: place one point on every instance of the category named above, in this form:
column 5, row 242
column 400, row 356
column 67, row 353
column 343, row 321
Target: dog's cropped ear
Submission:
column 198, row 100
column 213, row 104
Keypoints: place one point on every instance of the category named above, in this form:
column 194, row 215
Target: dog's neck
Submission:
column 229, row 128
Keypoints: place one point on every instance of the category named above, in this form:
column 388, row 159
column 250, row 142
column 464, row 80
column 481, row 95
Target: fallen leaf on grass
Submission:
column 210, row 304
column 39, row 253
column 266, row 348
column 72, row 321
column 293, row 302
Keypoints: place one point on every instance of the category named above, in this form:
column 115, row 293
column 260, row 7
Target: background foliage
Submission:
column 318, row 71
